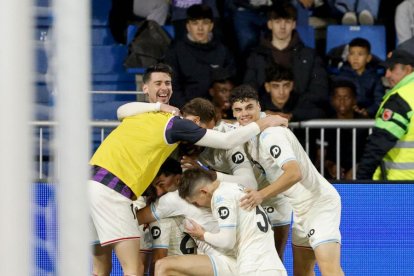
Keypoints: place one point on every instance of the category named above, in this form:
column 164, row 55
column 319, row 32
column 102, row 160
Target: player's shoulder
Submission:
column 225, row 126
column 275, row 132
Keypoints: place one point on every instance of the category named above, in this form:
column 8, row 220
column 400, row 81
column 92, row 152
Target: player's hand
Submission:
column 170, row 109
column 272, row 121
column 194, row 229
column 251, row 199
column 189, row 163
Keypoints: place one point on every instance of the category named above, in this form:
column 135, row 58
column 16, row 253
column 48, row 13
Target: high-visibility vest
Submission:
column 398, row 163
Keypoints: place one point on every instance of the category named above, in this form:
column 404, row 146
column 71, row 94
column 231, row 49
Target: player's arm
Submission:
column 134, row 108
column 231, row 139
column 290, row 176
column 226, row 238
column 145, row 215
column 242, row 171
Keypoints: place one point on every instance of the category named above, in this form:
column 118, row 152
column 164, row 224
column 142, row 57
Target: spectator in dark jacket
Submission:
column 364, row 74
column 196, row 56
column 286, row 48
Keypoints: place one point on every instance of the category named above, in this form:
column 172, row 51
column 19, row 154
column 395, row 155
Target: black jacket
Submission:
column 310, row 77
column 192, row 63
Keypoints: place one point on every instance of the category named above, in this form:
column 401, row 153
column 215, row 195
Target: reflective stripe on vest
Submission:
column 399, row 161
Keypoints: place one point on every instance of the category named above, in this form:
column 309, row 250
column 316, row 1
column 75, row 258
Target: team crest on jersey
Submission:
column 155, row 232
column 387, row 114
column 237, row 158
column 223, row 212
column 275, row 151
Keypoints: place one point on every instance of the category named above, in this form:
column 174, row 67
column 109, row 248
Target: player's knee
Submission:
column 161, row 267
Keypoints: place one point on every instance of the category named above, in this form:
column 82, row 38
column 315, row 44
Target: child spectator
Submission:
column 194, row 57
column 364, row 74
column 343, row 100
column 222, row 82
column 280, row 98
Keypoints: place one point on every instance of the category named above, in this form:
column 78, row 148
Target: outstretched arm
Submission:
column 134, row 108
column 231, row 139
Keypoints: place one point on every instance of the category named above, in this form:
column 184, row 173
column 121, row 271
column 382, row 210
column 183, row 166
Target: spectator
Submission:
column 343, row 100
column 363, row 73
column 389, row 154
column 221, row 84
column 367, row 11
column 404, row 20
column 280, row 98
column 285, row 48
column 179, row 15
column 194, row 57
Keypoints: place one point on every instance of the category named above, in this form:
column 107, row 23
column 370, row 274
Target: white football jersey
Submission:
column 168, row 233
column 254, row 236
column 275, row 146
column 172, row 205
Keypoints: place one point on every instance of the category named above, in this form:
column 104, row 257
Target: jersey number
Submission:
column 263, row 221
column 183, row 245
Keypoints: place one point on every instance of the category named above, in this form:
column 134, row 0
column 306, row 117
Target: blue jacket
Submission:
column 369, row 87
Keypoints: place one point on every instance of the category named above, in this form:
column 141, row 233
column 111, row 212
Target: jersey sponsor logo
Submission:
column 237, row 158
column 269, row 209
column 275, row 151
column 155, row 232
column 387, row 114
column 223, row 212
column 311, row 232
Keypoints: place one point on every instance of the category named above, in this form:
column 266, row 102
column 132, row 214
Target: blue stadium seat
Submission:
column 102, row 36
column 307, row 34
column 108, row 59
column 338, row 35
column 100, row 12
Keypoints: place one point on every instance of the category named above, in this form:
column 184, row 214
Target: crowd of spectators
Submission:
column 262, row 48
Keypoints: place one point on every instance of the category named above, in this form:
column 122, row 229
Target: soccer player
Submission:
column 315, row 202
column 247, row 231
column 128, row 159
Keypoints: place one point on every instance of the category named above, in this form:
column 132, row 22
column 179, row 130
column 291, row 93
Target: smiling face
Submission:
column 246, row 111
column 200, row 29
column 158, row 88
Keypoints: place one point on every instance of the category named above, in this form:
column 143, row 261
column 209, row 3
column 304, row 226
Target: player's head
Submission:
column 199, row 22
column 279, row 84
column 201, row 112
column 343, row 97
column 157, row 83
column 359, row 54
column 245, row 104
column 194, row 187
column 282, row 20
column 167, row 180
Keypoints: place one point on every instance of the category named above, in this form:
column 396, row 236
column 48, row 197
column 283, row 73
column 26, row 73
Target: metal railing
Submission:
column 44, row 146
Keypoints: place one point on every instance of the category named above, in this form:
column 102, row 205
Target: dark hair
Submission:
column 243, row 93
column 200, row 107
column 276, row 72
column 170, row 167
column 360, row 42
column 157, row 68
column 199, row 11
column 191, row 179
column 343, row 83
column 282, row 10
column 221, row 75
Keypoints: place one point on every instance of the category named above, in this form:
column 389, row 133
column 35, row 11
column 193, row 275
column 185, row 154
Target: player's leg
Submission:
column 128, row 255
column 184, row 265
column 303, row 261
column 328, row 256
column 102, row 260
column 281, row 234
